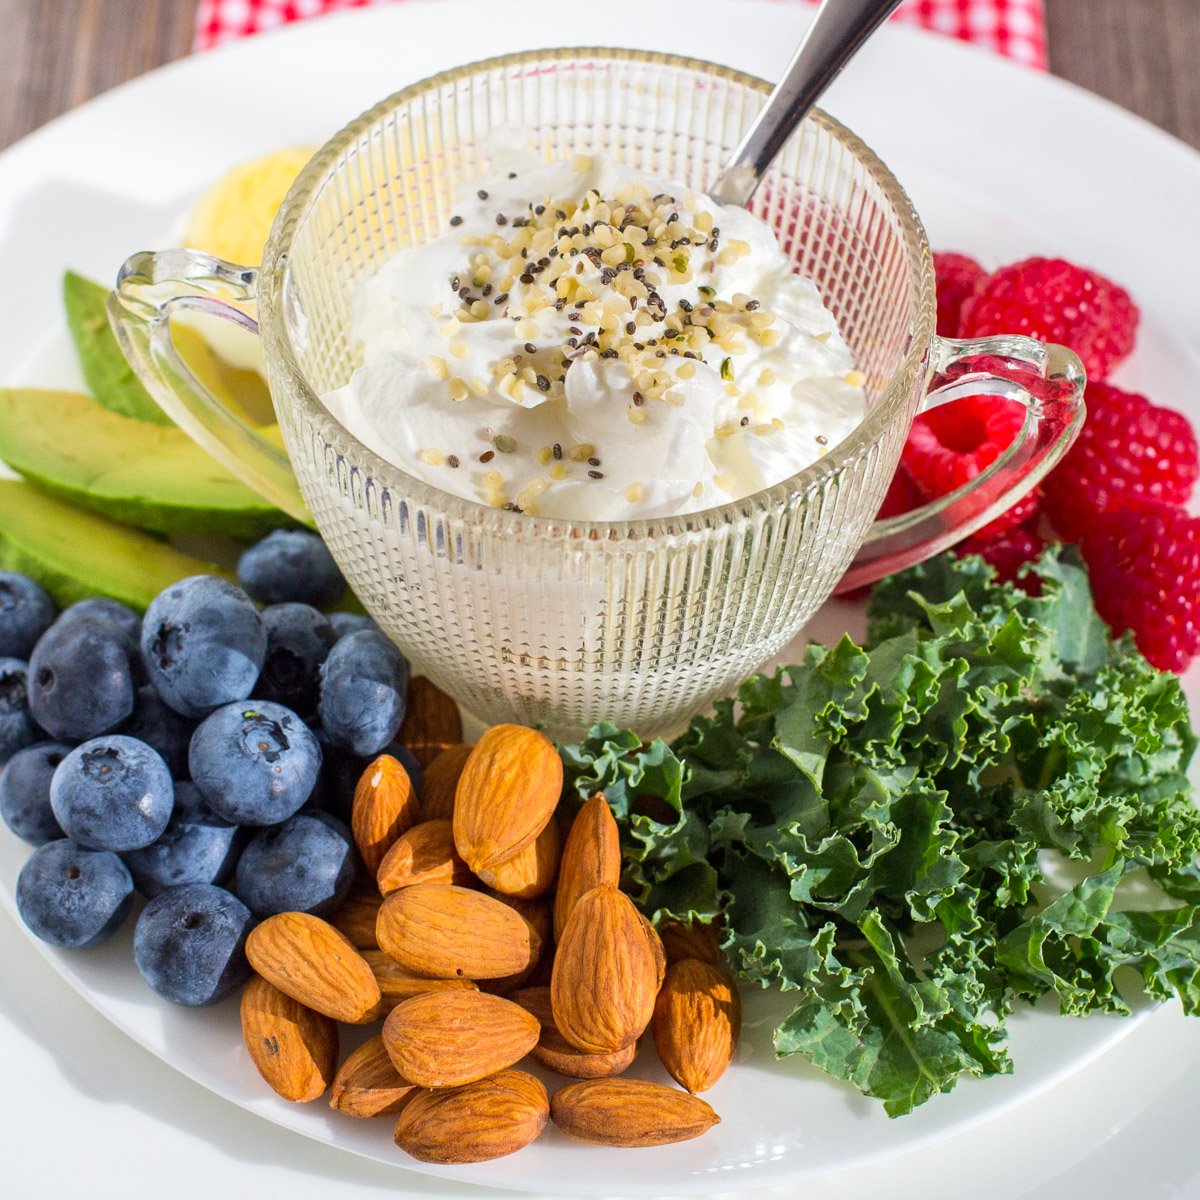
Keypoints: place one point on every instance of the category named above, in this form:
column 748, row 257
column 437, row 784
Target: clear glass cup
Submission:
column 564, row 623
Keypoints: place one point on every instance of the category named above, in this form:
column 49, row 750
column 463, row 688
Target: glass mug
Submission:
column 562, row 623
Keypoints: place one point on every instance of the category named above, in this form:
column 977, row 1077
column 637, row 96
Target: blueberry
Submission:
column 71, row 896
column 341, row 771
column 119, row 615
column 204, row 643
column 307, row 864
column 26, row 612
column 190, row 943
column 345, row 622
column 162, row 729
column 17, row 729
column 364, row 685
column 291, row 564
column 197, row 847
column 80, row 679
column 299, row 639
column 256, row 763
column 25, row 792
column 113, row 793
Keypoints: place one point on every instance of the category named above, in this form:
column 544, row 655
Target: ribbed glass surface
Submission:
column 524, row 618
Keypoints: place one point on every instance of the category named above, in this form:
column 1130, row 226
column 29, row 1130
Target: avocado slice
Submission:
column 75, row 554
column 109, row 376
column 151, row 476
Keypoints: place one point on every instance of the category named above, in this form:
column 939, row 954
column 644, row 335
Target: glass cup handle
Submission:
column 1048, row 380
column 151, row 288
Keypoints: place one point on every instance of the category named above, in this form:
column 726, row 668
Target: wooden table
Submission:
column 56, row 54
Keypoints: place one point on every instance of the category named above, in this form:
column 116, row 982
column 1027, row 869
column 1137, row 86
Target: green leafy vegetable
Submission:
column 917, row 833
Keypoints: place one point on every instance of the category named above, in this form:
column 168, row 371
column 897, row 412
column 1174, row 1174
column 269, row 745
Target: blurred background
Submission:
column 55, row 54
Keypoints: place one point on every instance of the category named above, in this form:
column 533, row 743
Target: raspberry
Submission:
column 1128, row 447
column 902, row 495
column 1055, row 301
column 1008, row 554
column 957, row 277
column 1144, row 560
column 949, row 445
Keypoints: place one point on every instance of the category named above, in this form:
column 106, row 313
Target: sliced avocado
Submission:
column 109, row 376
column 74, row 554
column 151, row 476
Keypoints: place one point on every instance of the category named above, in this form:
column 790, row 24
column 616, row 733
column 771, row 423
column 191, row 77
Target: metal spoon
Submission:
column 836, row 34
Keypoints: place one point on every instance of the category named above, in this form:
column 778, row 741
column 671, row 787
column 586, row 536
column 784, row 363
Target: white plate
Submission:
column 1032, row 171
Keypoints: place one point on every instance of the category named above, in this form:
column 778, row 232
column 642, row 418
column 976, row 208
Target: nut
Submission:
column 425, row 854
column 356, row 918
column 367, row 1084
column 385, row 805
column 488, row 1119
column 294, row 1048
column 440, row 782
column 690, row 941
column 506, row 795
column 447, row 1039
column 629, row 1112
column 307, row 959
column 449, row 932
column 431, row 721
column 531, row 872
column 553, row 1050
column 397, row 984
column 591, row 856
column 697, row 1020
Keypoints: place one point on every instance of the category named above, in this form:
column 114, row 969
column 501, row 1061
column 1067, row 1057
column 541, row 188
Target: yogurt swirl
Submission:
column 585, row 344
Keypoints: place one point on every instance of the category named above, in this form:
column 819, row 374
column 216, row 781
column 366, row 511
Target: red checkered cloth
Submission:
column 1016, row 28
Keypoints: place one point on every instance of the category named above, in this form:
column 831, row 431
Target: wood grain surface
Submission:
column 55, row 54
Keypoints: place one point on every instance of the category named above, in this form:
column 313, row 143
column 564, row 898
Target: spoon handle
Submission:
column 834, row 37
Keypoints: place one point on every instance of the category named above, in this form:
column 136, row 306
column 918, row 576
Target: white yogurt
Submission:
column 586, row 344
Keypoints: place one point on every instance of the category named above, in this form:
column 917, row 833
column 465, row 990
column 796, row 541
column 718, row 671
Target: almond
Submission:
column 356, row 918
column 385, row 805
column 425, row 854
column 697, row 1020
column 447, row 1039
column 449, row 932
column 396, row 983
column 690, row 941
column 294, row 1048
column 431, row 720
column 531, row 872
column 307, row 959
column 605, row 973
column 629, row 1112
column 441, row 781
column 591, row 856
column 553, row 1050
column 367, row 1084
column 488, row 1119
column 536, row 914
column 506, row 795
column 660, row 955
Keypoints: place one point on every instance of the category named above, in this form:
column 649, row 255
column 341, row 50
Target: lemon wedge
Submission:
column 232, row 219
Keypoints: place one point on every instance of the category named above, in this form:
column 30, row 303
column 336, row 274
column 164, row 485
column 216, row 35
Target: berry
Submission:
column 1144, row 561
column 26, row 612
column 307, row 864
column 162, row 729
column 112, row 793
column 197, row 847
column 951, row 444
column 17, row 729
column 73, row 897
column 1055, row 301
column 255, row 763
column 190, row 944
column 364, row 687
column 102, row 609
column 903, row 495
column 1128, row 447
column 80, row 680
column 1008, row 553
column 25, row 792
column 291, row 565
column 204, row 644
column 957, row 278
column 299, row 639
column 344, row 623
